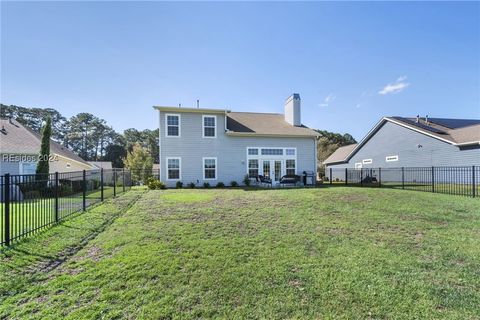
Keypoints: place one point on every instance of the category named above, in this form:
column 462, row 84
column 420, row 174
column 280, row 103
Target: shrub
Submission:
column 206, row 185
column 234, row 184
column 191, row 185
column 179, row 185
column 220, row 185
column 246, row 180
column 155, row 184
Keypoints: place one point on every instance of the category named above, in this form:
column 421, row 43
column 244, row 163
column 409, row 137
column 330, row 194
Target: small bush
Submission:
column 155, row 184
column 206, row 185
column 179, row 185
column 191, row 185
column 246, row 180
column 234, row 184
column 220, row 185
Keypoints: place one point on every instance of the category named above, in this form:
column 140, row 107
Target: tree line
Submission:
column 85, row 134
column 94, row 140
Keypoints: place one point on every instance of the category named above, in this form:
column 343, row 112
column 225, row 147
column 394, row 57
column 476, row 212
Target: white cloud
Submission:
column 395, row 87
column 328, row 99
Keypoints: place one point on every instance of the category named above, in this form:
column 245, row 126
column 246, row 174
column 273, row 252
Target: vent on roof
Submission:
column 422, row 126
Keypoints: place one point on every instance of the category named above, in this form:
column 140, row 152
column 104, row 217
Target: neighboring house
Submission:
column 107, row 165
column 212, row 145
column 20, row 147
column 412, row 142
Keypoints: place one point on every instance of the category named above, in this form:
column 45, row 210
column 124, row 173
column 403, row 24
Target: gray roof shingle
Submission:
column 18, row 139
column 265, row 124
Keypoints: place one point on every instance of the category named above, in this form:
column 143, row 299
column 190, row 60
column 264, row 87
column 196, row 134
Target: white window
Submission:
column 253, row 168
column 367, row 161
column 272, row 152
column 391, row 158
column 252, row 151
column 209, row 126
column 28, row 167
column 290, row 152
column 209, row 168
column 358, row 165
column 290, row 167
column 172, row 125
column 69, row 165
column 173, row 168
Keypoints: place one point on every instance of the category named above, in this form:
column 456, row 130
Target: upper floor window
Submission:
column 209, row 126
column 391, row 158
column 172, row 125
column 272, row 152
column 367, row 161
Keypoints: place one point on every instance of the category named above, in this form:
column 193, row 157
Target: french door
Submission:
column 272, row 169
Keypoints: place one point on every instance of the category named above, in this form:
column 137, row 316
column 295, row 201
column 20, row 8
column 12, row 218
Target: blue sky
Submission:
column 352, row 63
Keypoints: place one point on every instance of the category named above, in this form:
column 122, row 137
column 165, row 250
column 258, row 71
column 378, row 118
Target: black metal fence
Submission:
column 30, row 203
column 140, row 176
column 462, row 180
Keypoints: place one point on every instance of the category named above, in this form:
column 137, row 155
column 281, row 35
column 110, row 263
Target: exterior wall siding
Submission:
column 231, row 152
column 392, row 139
column 61, row 165
column 11, row 167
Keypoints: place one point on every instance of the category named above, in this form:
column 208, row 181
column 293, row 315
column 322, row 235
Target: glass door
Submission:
column 277, row 173
column 266, row 168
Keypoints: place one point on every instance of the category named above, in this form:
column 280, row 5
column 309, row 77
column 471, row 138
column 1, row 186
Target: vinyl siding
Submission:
column 11, row 167
column 231, row 152
column 392, row 139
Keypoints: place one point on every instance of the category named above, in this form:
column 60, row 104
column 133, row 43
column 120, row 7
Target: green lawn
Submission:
column 298, row 253
column 34, row 214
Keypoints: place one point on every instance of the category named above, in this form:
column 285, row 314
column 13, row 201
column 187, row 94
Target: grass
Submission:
column 296, row 253
column 34, row 214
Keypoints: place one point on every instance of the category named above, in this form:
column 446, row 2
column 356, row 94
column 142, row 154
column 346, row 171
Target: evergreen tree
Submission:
column 42, row 166
column 140, row 162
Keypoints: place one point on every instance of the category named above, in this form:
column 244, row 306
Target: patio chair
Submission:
column 264, row 180
column 290, row 179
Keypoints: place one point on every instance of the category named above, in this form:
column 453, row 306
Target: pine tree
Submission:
column 43, row 165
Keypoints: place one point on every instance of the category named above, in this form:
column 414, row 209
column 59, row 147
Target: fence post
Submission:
column 473, row 182
column 346, row 176
column 7, row 209
column 361, row 177
column 101, row 184
column 56, row 196
column 379, row 177
column 123, row 179
column 433, row 179
column 403, row 178
column 331, row 177
column 84, row 204
column 114, row 183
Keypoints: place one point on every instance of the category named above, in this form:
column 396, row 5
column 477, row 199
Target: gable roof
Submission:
column 458, row 132
column 101, row 164
column 18, row 139
column 340, row 154
column 268, row 124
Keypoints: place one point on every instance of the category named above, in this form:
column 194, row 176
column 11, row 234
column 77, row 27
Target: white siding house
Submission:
column 211, row 145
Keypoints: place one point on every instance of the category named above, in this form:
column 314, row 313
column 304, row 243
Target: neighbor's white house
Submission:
column 212, row 145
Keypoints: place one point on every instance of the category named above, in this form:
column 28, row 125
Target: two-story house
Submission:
column 212, row 145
